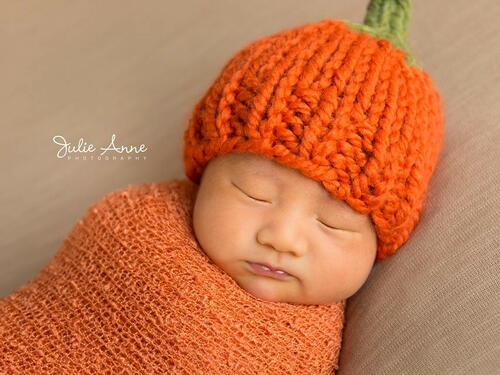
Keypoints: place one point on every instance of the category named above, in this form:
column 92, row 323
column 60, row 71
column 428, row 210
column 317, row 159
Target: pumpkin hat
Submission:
column 346, row 104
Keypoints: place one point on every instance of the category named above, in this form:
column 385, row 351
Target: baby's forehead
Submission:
column 259, row 168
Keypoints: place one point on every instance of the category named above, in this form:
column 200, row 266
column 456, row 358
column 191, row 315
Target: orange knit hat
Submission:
column 345, row 104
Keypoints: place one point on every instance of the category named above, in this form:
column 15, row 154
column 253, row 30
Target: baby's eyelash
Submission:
column 328, row 226
column 264, row 201
column 249, row 196
column 256, row 199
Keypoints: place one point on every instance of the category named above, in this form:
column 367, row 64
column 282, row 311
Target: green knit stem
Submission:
column 388, row 19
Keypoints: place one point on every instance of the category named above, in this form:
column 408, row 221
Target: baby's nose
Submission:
column 285, row 234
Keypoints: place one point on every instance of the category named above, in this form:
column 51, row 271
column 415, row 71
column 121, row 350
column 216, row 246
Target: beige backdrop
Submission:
column 90, row 69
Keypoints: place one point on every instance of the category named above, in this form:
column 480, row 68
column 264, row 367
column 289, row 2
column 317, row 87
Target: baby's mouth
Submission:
column 262, row 269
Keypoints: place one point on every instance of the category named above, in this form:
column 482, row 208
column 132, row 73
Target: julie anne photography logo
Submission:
column 86, row 151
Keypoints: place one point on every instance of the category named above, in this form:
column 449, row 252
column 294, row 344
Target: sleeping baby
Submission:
column 307, row 160
column 279, row 234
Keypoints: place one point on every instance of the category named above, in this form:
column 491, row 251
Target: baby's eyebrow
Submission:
column 262, row 173
column 331, row 202
column 254, row 172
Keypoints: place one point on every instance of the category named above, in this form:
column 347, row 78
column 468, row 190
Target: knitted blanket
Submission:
column 130, row 291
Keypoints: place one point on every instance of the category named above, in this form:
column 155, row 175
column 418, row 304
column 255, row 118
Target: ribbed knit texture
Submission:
column 341, row 106
column 130, row 291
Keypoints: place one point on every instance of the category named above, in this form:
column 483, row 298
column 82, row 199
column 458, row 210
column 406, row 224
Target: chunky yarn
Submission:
column 345, row 104
column 130, row 291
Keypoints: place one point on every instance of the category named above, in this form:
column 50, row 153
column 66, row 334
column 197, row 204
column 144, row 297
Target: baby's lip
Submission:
column 272, row 268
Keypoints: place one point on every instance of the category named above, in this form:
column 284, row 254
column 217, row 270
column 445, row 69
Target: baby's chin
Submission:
column 264, row 288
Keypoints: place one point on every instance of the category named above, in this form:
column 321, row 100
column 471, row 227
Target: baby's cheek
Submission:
column 241, row 227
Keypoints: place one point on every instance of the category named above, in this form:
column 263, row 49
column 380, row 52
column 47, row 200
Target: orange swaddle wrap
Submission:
column 131, row 291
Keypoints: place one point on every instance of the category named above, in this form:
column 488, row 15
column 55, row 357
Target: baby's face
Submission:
column 286, row 227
